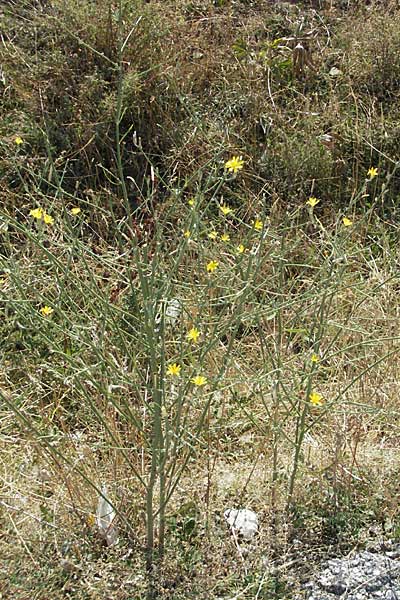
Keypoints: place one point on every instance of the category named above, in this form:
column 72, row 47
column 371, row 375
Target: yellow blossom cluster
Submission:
column 174, row 370
column 312, row 201
column 41, row 215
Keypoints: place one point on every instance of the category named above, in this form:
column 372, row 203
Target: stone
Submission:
column 243, row 522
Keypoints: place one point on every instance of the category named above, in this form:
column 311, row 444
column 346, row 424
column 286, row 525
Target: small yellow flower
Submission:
column 191, row 202
column 46, row 311
column 193, row 335
column 199, row 380
column 212, row 235
column 36, row 213
column 186, row 233
column 316, row 399
column 225, row 237
column 75, row 211
column 48, row 219
column 347, row 222
column 240, row 249
column 312, row 201
column 212, row 265
column 174, row 370
column 258, row 225
column 235, row 164
column 90, row 520
column 372, row 172
column 314, row 358
column 225, row 209
column 18, row 140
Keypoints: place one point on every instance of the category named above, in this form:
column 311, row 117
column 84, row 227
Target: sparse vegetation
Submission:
column 199, row 276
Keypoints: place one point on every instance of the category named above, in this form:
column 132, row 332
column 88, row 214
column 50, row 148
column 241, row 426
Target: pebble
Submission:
column 243, row 522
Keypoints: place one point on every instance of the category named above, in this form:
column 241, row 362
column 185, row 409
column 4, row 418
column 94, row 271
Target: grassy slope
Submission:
column 197, row 83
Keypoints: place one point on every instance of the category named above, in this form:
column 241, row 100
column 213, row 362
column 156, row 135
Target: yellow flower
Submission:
column 347, row 222
column 46, row 311
column 48, row 219
column 199, row 380
column 225, row 209
column 187, row 233
column 240, row 249
column 75, row 211
column 18, row 140
column 372, row 172
column 213, row 235
column 90, row 520
column 314, row 358
column 36, row 213
column 191, row 202
column 174, row 370
column 312, row 201
column 193, row 335
column 258, row 225
column 212, row 265
column 316, row 399
column 225, row 237
column 235, row 164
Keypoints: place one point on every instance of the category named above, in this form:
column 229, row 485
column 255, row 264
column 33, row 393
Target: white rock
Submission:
column 244, row 522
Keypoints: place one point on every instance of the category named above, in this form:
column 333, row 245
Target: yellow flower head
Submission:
column 258, row 225
column 316, row 399
column 18, row 140
column 225, row 209
column 191, row 202
column 347, row 222
column 314, row 358
column 48, row 219
column 36, row 213
column 372, row 172
column 213, row 235
column 235, row 164
column 90, row 520
column 212, row 265
column 186, row 233
column 193, row 335
column 312, row 201
column 75, row 211
column 46, row 311
column 225, row 237
column 199, row 380
column 174, row 370
column 240, row 249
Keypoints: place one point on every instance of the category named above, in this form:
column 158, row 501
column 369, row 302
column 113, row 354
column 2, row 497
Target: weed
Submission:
column 199, row 274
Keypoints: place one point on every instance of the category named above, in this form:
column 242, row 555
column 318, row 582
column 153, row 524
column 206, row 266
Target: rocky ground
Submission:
column 365, row 575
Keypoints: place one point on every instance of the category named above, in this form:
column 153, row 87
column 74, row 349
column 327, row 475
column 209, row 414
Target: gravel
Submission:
column 362, row 576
